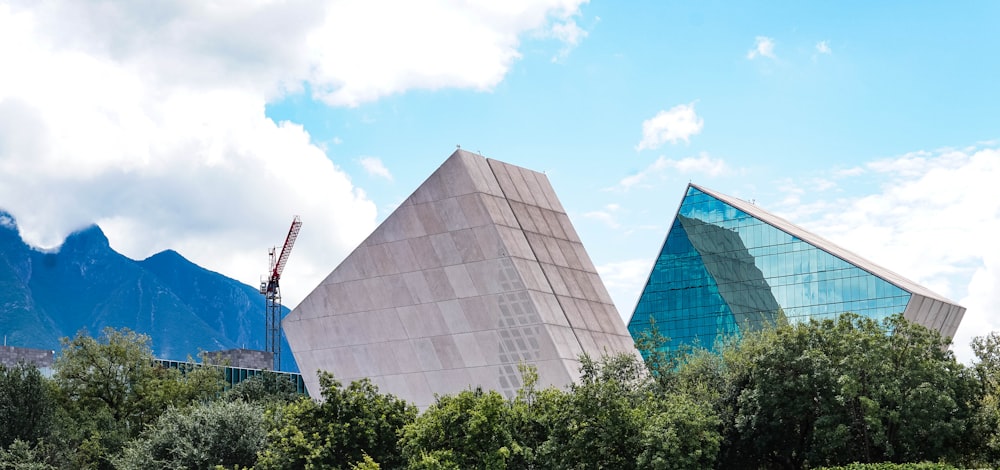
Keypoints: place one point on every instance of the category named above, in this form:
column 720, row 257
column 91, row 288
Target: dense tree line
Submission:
column 846, row 393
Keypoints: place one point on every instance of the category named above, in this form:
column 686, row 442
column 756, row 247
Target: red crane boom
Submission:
column 272, row 293
column 293, row 233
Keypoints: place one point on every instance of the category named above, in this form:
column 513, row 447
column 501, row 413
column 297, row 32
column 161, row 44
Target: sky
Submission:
column 205, row 126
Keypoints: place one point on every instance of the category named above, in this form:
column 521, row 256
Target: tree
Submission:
column 348, row 424
column 26, row 404
column 618, row 417
column 110, row 388
column 269, row 387
column 987, row 369
column 226, row 433
column 472, row 429
column 847, row 390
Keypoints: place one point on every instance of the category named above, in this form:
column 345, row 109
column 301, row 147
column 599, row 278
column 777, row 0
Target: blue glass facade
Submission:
column 722, row 272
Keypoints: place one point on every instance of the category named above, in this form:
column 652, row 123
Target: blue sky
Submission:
column 205, row 127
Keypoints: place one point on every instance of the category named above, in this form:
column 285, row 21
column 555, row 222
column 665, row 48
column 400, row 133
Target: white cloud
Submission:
column 625, row 280
column 435, row 44
column 373, row 166
column 823, row 47
column 936, row 221
column 677, row 123
column 570, row 34
column 703, row 164
column 149, row 119
column 606, row 215
column 763, row 47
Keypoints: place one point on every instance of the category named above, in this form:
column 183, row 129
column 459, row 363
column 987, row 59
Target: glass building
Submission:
column 728, row 267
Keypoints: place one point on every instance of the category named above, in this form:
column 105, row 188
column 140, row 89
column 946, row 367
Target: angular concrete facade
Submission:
column 478, row 270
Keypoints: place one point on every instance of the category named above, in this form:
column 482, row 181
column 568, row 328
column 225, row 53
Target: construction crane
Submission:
column 272, row 292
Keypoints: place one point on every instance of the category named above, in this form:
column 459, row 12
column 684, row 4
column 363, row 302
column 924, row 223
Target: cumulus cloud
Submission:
column 149, row 119
column 763, row 47
column 661, row 168
column 672, row 125
column 374, row 166
column 823, row 47
column 936, row 221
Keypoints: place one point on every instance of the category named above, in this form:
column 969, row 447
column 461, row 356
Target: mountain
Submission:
column 85, row 284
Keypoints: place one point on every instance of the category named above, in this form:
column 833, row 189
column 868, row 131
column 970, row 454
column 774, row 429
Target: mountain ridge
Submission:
column 85, row 284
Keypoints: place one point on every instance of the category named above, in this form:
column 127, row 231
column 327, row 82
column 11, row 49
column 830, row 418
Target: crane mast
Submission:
column 271, row 289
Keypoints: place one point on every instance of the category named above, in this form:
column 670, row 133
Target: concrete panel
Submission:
column 567, row 228
column 549, row 193
column 446, row 381
column 392, row 327
column 555, row 279
column 451, row 214
column 444, row 247
column 549, row 310
column 374, row 289
column 359, row 299
column 537, row 244
column 480, row 312
column 474, row 210
column 531, row 275
column 454, row 317
column 382, row 260
column 426, row 355
column 416, row 283
column 397, row 291
column 456, row 176
column 438, row 284
column 552, row 244
column 537, row 220
column 523, row 189
column 467, row 245
column 470, row 350
column 430, row 218
column 500, row 211
column 522, row 216
column 482, row 168
column 405, row 355
column 447, row 352
column 402, row 255
column 503, row 178
column 490, row 244
column 424, row 253
column 515, row 242
column 459, row 281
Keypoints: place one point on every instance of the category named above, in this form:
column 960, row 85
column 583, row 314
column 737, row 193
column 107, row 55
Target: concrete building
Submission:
column 240, row 358
column 477, row 271
column 728, row 267
column 41, row 358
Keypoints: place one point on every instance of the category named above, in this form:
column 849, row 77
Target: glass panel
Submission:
column 722, row 271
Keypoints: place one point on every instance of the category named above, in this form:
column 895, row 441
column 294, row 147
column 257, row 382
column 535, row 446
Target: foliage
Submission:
column 218, row 433
column 617, row 417
column 833, row 392
column 893, row 466
column 347, row 425
column 264, row 388
column 987, row 369
column 26, row 404
column 22, row 456
column 110, row 388
column 472, row 429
